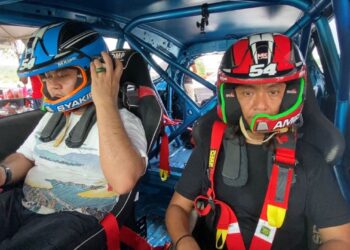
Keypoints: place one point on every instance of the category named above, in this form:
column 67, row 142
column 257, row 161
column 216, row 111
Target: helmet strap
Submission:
column 250, row 139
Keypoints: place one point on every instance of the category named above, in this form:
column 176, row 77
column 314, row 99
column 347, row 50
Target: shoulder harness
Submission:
column 77, row 135
column 276, row 199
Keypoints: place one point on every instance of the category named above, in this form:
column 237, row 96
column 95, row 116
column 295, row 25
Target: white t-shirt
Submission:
column 71, row 179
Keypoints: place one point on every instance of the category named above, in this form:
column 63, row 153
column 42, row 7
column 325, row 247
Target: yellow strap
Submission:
column 63, row 132
column 164, row 174
column 275, row 215
column 212, row 155
column 221, row 235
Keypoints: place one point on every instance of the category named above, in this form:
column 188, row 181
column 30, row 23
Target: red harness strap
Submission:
column 125, row 235
column 164, row 167
column 275, row 203
column 110, row 225
column 276, row 200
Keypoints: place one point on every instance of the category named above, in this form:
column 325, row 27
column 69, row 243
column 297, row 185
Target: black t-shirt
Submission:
column 314, row 197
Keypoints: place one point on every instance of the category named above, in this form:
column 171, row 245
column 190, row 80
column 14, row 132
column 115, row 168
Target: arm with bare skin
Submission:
column 19, row 166
column 178, row 222
column 120, row 161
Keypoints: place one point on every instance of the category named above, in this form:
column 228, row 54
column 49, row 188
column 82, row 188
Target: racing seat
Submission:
column 138, row 95
column 317, row 131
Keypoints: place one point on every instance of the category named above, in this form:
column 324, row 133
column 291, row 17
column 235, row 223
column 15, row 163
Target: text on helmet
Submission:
column 260, row 69
column 287, row 122
column 27, row 63
column 75, row 103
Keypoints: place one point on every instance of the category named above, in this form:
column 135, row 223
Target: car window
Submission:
column 315, row 53
column 205, row 66
column 15, row 95
column 164, row 65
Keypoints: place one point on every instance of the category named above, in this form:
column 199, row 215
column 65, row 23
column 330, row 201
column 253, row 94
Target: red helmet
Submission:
column 261, row 59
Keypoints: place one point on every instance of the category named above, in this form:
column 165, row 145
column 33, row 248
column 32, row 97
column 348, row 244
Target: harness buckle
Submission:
column 211, row 203
column 203, row 205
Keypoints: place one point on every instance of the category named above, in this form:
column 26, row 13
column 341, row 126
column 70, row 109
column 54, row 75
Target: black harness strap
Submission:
column 77, row 135
column 235, row 168
column 53, row 127
column 81, row 130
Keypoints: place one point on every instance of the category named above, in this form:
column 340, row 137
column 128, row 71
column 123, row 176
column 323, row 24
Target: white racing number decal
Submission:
column 27, row 63
column 260, row 69
column 29, row 58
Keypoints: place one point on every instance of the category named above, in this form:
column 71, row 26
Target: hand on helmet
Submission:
column 105, row 80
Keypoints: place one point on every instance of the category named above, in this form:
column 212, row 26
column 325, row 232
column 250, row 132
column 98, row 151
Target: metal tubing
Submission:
column 120, row 43
column 342, row 18
column 305, row 37
column 208, row 106
column 195, row 111
column 341, row 112
column 176, row 65
column 213, row 8
column 134, row 43
column 329, row 50
column 5, row 2
column 308, row 17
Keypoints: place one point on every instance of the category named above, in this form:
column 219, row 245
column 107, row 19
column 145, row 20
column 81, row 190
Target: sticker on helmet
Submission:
column 286, row 122
column 260, row 69
column 66, row 61
column 27, row 63
column 74, row 103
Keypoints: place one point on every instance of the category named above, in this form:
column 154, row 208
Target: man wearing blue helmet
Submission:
column 71, row 162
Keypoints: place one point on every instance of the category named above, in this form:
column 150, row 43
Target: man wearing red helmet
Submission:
column 257, row 186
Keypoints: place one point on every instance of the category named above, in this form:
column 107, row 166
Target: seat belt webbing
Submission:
column 276, row 200
column 164, row 167
column 110, row 225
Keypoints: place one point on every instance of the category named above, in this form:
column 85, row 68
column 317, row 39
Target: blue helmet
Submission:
column 58, row 46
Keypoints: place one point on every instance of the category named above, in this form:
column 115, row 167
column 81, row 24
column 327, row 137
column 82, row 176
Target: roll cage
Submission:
column 179, row 32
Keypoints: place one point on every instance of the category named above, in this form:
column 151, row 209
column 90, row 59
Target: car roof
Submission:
column 177, row 21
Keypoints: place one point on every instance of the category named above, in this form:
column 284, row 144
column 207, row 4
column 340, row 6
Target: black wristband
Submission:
column 8, row 174
column 179, row 239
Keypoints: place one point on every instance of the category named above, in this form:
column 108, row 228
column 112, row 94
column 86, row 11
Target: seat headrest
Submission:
column 135, row 67
column 317, row 130
column 137, row 93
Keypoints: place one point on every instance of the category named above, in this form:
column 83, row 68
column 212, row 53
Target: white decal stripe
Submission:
column 254, row 39
column 252, row 43
column 71, row 40
column 76, row 39
column 233, row 228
